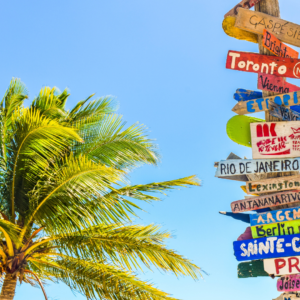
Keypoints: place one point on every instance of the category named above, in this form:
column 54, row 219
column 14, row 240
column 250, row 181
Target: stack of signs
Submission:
column 271, row 245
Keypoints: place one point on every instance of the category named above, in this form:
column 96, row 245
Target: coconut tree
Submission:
column 66, row 202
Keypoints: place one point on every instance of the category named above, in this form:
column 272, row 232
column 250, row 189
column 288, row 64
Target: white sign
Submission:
column 282, row 265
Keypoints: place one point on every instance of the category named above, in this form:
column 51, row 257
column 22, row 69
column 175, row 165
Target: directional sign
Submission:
column 256, row 166
column 265, row 64
column 251, row 269
column 244, row 4
column 273, row 44
column 272, row 83
column 275, row 229
column 287, row 297
column 256, row 22
column 277, row 184
column 275, row 139
column 269, row 247
column 271, row 217
column 271, row 200
column 247, row 235
column 232, row 31
column 262, row 104
column 283, row 113
column 282, row 266
column 244, row 95
column 288, row 283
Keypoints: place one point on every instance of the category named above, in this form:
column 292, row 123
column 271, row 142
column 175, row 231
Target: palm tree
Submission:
column 66, row 203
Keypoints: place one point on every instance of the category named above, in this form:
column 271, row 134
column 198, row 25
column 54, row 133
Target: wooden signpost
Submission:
column 265, row 64
column 271, row 217
column 282, row 266
column 287, row 297
column 272, row 83
column 275, row 139
column 256, row 22
column 244, row 95
column 268, row 247
column 251, row 269
column 277, row 184
column 265, row 201
column 283, row 113
column 273, row 44
column 262, row 104
column 236, row 167
column 288, row 283
column 244, row 4
column 275, row 229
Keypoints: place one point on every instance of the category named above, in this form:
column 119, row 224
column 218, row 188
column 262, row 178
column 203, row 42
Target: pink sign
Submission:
column 289, row 283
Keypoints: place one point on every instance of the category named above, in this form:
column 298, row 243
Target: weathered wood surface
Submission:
column 262, row 104
column 271, row 217
column 232, row 31
column 265, row 64
column 276, row 229
column 240, row 217
column 273, row 44
column 289, row 283
column 244, row 4
column 247, row 235
column 283, row 113
column 232, row 168
column 265, row 201
column 277, row 184
column 251, row 269
column 282, row 266
column 245, row 95
column 269, row 247
column 256, row 22
column 272, row 83
column 275, row 139
column 287, row 297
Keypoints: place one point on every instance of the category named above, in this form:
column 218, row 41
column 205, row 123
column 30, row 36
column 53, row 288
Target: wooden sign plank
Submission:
column 269, row 247
column 256, row 22
column 276, row 229
column 241, row 217
column 283, row 265
column 244, row 4
column 272, row 83
column 289, row 283
column 265, row 64
column 274, row 45
column 232, row 31
column 251, row 269
column 275, row 139
column 262, row 104
column 277, row 184
column 244, row 95
column 271, row 217
column 256, row 166
column 283, row 113
column 247, row 235
column 271, row 200
column 287, row 297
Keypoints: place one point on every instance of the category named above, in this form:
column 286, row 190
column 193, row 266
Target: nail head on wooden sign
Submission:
column 265, row 64
column 256, row 22
column 275, row 139
column 265, row 201
column 262, row 104
column 277, row 184
column 283, row 113
column 274, row 216
column 282, row 266
column 273, row 44
column 244, row 4
column 232, row 31
column 269, row 247
column 289, row 283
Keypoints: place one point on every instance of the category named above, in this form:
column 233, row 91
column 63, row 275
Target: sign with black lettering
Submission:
column 256, row 22
column 283, row 113
column 289, row 283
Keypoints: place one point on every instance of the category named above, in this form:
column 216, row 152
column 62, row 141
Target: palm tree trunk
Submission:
column 8, row 288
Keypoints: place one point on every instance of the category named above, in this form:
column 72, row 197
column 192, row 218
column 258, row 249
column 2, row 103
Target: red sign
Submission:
column 270, row 140
column 265, row 64
column 273, row 44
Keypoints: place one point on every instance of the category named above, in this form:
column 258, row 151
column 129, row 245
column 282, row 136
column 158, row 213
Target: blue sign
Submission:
column 270, row 247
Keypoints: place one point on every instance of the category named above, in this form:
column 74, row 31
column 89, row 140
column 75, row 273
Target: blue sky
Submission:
column 165, row 62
